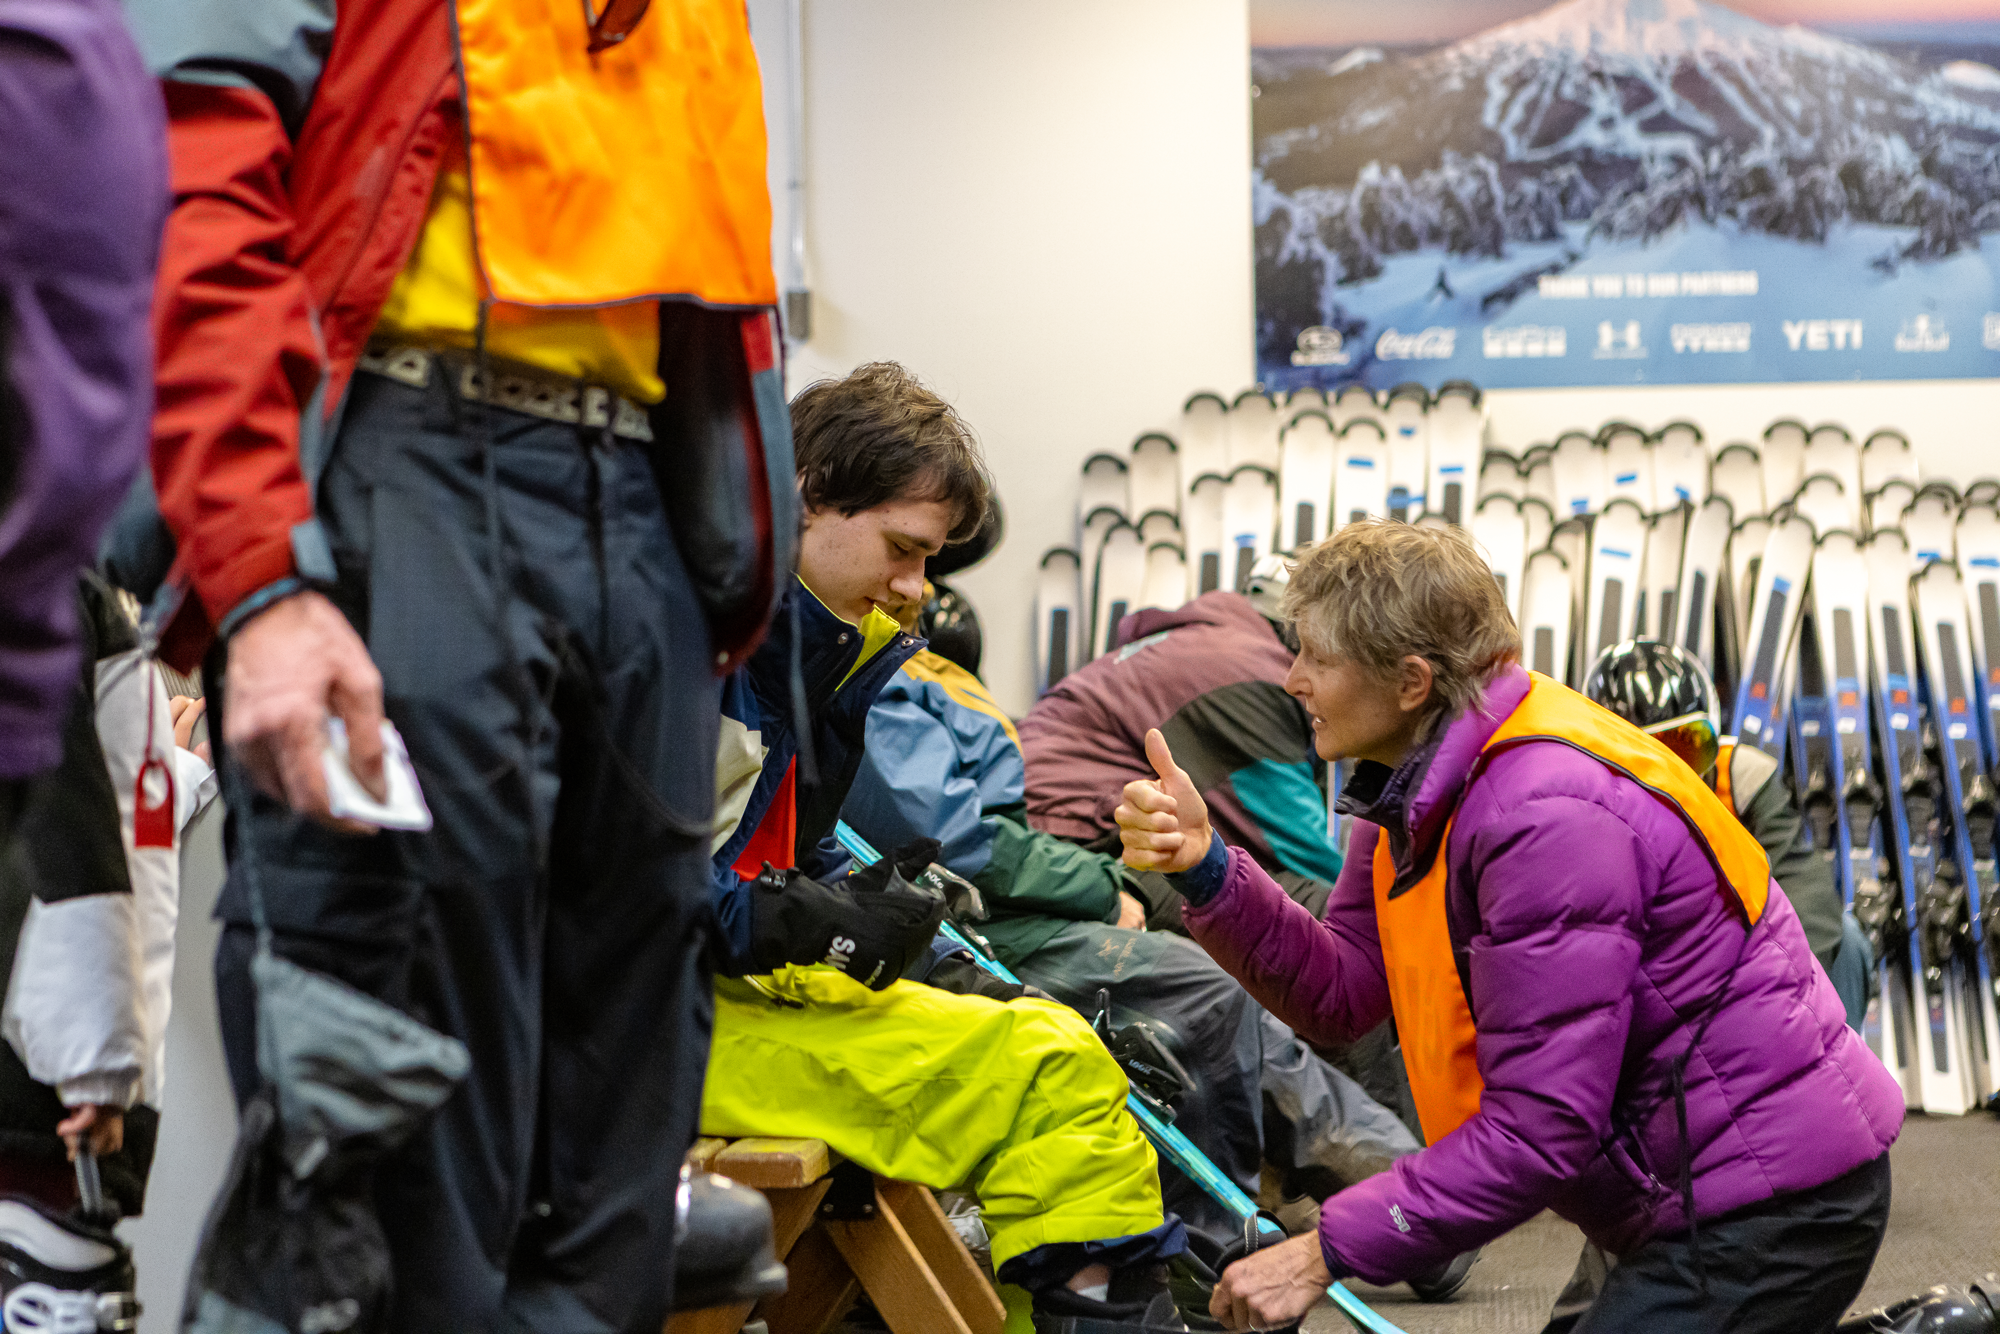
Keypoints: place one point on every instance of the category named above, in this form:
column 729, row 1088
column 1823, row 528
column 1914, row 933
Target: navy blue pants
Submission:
column 555, row 692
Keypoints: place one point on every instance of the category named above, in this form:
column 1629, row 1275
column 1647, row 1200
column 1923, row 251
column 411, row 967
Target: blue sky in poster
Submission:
column 1621, row 191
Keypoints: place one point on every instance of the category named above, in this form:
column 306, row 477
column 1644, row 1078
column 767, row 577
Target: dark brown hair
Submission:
column 879, row 435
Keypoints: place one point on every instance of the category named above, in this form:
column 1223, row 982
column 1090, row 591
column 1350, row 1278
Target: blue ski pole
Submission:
column 1166, row 1138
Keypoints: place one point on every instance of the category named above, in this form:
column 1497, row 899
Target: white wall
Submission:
column 1044, row 209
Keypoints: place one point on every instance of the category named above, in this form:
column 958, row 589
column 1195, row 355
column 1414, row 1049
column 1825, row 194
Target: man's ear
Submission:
column 1413, row 683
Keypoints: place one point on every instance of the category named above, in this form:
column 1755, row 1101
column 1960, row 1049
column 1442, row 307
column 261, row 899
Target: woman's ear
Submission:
column 1413, row 683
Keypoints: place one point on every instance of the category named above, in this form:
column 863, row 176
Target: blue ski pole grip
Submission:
column 1168, row 1140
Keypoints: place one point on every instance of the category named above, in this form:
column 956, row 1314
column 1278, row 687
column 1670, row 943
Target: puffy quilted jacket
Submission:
column 1592, row 936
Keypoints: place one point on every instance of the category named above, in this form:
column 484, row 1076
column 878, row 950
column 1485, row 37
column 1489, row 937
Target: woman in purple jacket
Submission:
column 1607, row 1007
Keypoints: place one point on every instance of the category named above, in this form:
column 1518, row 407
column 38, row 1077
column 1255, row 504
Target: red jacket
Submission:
column 299, row 193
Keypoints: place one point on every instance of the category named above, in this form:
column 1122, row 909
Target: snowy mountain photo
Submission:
column 1609, row 191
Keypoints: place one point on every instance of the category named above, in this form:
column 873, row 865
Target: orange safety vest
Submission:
column 634, row 173
column 1433, row 1012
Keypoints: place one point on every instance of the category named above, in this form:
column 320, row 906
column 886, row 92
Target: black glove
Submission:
column 905, row 863
column 870, row 931
column 958, row 974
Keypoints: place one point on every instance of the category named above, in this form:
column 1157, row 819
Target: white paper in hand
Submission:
column 405, row 808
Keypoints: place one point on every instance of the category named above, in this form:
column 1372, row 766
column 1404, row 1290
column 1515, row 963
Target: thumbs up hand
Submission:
column 1163, row 822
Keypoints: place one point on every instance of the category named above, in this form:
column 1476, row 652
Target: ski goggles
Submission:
column 1691, row 737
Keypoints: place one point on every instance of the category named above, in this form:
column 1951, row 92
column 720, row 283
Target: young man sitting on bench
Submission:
column 815, row 1035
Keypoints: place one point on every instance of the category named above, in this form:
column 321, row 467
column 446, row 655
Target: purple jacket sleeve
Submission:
column 1322, row 977
column 1558, row 882
column 84, row 171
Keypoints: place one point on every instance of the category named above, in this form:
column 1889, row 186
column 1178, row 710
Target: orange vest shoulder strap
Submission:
column 1553, row 712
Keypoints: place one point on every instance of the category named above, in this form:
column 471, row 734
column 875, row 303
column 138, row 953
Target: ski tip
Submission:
column 1204, row 396
column 1465, row 389
column 1409, row 389
column 1147, row 437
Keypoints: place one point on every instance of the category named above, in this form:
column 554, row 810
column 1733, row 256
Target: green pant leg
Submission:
column 1018, row 1103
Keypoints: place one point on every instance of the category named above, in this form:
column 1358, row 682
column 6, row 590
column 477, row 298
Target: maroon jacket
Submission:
column 1210, row 675
column 1592, row 937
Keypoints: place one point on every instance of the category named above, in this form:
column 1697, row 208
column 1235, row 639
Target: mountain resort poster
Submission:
column 1603, row 192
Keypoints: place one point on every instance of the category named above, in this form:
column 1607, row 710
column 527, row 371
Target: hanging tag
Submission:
column 153, row 825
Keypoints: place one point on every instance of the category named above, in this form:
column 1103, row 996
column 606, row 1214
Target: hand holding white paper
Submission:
column 405, row 808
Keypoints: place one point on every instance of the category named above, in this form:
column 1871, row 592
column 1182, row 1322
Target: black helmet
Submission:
column 952, row 626
column 1663, row 691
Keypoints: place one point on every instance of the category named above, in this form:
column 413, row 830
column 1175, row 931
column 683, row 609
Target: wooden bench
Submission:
column 903, row 1253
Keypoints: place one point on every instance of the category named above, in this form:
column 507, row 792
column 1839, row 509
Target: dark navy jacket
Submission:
column 757, row 711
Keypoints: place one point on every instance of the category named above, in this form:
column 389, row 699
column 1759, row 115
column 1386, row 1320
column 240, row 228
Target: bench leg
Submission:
column 821, row 1288
column 938, row 1242
column 893, row 1273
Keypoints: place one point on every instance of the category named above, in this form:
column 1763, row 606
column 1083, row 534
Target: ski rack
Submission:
column 1952, row 929
column 1910, row 788
column 1979, row 558
column 1844, row 802
column 1166, row 1137
column 1786, row 561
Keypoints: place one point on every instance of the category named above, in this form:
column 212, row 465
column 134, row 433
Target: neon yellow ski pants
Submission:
column 1018, row 1103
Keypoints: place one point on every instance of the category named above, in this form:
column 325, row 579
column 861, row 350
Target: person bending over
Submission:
column 1018, row 1101
column 943, row 758
column 1607, row 1007
column 1210, row 675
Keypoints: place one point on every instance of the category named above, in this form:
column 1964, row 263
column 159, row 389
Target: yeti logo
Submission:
column 1823, row 335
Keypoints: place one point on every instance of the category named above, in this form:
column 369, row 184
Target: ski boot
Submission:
column 722, row 1244
column 60, row 1274
column 1192, row 1275
column 1139, row 1301
column 1945, row 1309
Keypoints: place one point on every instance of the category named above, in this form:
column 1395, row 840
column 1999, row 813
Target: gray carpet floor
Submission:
column 1944, row 1227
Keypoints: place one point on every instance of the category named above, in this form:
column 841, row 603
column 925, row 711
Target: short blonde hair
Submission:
column 1378, row 591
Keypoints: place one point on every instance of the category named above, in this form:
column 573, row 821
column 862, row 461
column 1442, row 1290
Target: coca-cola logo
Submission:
column 1433, row 344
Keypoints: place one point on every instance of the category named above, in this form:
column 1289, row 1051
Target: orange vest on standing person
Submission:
column 1433, row 1010
column 632, row 173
